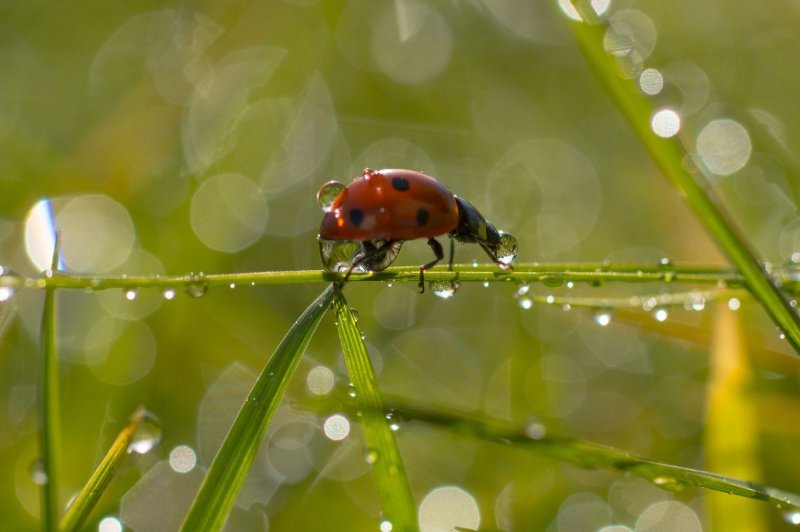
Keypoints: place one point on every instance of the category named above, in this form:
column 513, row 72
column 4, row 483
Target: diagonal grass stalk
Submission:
column 86, row 500
column 229, row 469
column 671, row 156
column 382, row 452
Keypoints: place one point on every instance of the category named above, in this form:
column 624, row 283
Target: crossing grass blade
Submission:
column 86, row 500
column 382, row 451
column 671, row 156
column 229, row 469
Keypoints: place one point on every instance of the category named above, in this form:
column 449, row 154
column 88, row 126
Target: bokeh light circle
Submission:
column 229, row 212
column 447, row 507
column 666, row 123
column 724, row 146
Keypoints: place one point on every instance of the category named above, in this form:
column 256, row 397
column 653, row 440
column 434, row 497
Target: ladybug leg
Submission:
column 452, row 253
column 371, row 252
column 439, row 252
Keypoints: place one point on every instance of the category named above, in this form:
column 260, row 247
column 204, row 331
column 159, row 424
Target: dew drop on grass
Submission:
column 535, row 430
column 168, row 293
column 486, row 284
column 327, row 193
column 354, row 312
column 443, row 289
column 552, row 281
column 130, row 294
column 36, row 471
column 351, row 390
column 147, row 435
column 386, row 526
column 198, row 286
column 550, row 299
column 735, row 304
column 672, row 484
column 525, row 302
column 602, row 316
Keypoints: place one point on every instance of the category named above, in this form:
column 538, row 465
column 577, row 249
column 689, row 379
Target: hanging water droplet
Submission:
column 665, row 262
column 474, row 263
column 525, row 302
column 327, row 193
column 781, row 335
column 523, row 289
column 550, row 299
column 602, row 316
column 130, row 294
column 371, row 456
column 570, row 284
column 198, row 286
column 389, row 284
column 168, row 293
column 386, row 526
column 36, row 471
column 351, row 390
column 660, row 313
column 393, row 420
column 696, row 303
column 443, row 289
column 595, row 283
column 354, row 312
column 486, row 284
column 232, row 286
column 147, row 435
column 363, row 335
column 535, row 430
column 506, row 251
column 552, row 281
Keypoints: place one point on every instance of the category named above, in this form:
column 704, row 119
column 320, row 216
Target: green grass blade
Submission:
column 86, row 500
column 593, row 456
column 49, row 407
column 670, row 156
column 383, row 454
column 230, row 467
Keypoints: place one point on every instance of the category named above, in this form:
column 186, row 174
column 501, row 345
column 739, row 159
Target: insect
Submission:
column 367, row 221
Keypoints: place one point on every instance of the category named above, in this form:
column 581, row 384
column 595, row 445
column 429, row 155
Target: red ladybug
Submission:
column 381, row 209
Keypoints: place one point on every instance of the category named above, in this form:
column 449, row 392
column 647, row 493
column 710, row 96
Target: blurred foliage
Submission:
column 193, row 138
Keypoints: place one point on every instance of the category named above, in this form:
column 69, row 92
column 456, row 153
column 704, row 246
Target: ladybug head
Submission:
column 473, row 228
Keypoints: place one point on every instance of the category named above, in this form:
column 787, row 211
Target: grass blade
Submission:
column 86, row 500
column 591, row 455
column 670, row 155
column 387, row 466
column 732, row 428
column 49, row 407
column 230, row 467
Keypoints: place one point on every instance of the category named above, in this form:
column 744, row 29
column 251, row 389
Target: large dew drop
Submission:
column 327, row 193
column 507, row 249
column 198, row 286
column 147, row 436
column 337, row 255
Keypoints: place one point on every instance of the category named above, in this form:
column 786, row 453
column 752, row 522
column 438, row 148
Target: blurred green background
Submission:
column 192, row 137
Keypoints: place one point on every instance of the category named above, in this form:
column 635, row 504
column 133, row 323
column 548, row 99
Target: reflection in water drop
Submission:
column 329, row 192
column 443, row 289
column 666, row 123
column 199, row 285
column 506, row 251
column 147, row 435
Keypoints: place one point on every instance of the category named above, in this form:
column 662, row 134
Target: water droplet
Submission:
column 792, row 516
column 389, row 284
column 147, row 435
column 672, row 483
column 660, row 313
column 525, row 302
column 535, row 430
column 351, row 390
column 36, row 471
column 665, row 262
column 386, row 526
column 596, row 283
column 781, row 335
column 570, row 284
column 734, row 303
column 486, row 284
column 130, row 294
column 232, row 286
column 444, row 289
column 523, row 289
column 552, row 281
column 363, row 335
column 394, row 422
column 696, row 303
column 354, row 312
column 602, row 316
column 550, row 299
column 371, row 456
column 327, row 193
column 198, row 286
column 506, row 251
column 168, row 293
column 566, row 307
column 474, row 263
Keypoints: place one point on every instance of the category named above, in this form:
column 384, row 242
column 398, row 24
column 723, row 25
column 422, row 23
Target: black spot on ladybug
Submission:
column 422, row 216
column 401, row 184
column 357, row 216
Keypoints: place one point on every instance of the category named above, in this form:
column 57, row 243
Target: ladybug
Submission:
column 381, row 209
